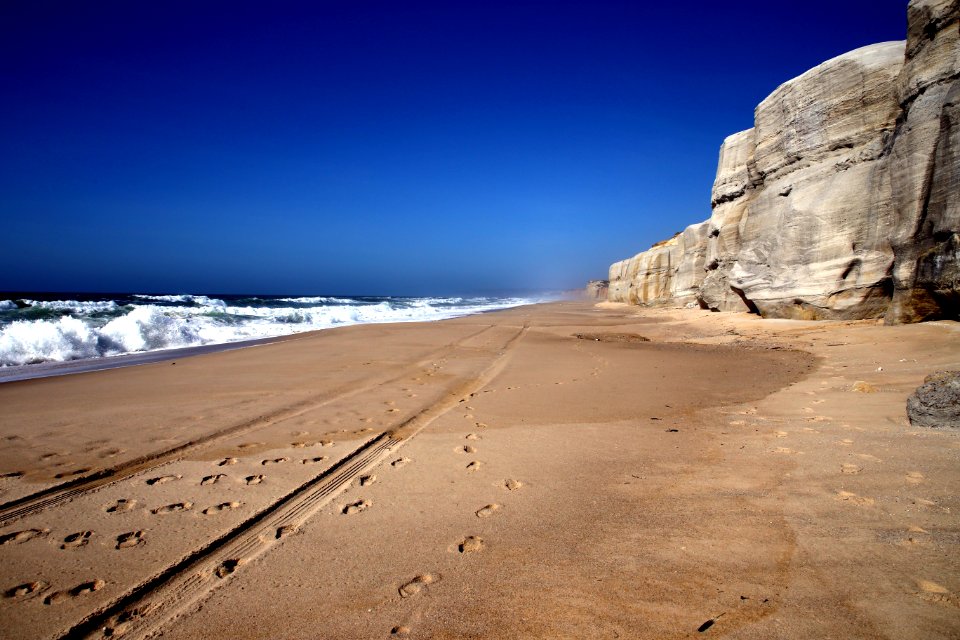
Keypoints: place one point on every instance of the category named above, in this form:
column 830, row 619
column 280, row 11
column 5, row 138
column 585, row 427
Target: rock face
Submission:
column 843, row 200
column 597, row 289
column 668, row 272
column 936, row 403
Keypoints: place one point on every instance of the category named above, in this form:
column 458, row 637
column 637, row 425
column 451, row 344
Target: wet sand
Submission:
column 494, row 476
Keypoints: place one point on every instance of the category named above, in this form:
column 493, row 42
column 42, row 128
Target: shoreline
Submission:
column 493, row 476
column 48, row 369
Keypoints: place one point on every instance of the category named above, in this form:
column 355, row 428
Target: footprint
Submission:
column 356, row 507
column 845, row 442
column 78, row 539
column 860, row 501
column 227, row 567
column 274, row 461
column 474, row 466
column 416, row 585
column 467, row 449
column 471, row 544
column 783, row 450
column 257, row 479
column 55, row 597
column 481, row 425
column 487, row 511
column 19, row 537
column 79, row 590
column 512, row 485
column 285, row 530
column 850, row 469
column 123, row 505
column 75, row 472
column 472, row 436
column 25, row 589
column 325, row 443
column 11, row 474
column 223, row 506
column 226, row 462
column 313, row 460
column 915, row 477
column 937, row 594
column 213, row 479
column 401, row 462
column 401, row 631
column 367, row 480
column 129, row 539
column 173, row 508
column 163, row 479
column 931, row 587
column 781, row 434
column 299, row 445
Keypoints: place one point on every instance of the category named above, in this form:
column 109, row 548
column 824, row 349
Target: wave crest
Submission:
column 190, row 320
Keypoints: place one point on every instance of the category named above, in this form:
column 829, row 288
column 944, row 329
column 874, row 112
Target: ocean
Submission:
column 44, row 327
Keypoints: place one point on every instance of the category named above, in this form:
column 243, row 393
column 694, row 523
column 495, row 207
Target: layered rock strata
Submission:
column 843, row 200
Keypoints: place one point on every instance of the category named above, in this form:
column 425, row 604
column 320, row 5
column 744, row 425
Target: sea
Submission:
column 58, row 327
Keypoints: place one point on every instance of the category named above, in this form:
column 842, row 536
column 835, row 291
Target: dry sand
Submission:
column 494, row 476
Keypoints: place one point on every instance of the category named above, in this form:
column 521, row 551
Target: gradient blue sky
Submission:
column 373, row 147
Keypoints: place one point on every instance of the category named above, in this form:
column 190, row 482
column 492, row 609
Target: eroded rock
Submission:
column 843, row 200
column 936, row 403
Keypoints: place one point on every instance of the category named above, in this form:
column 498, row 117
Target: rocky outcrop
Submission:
column 597, row 289
column 924, row 167
column 669, row 272
column 840, row 202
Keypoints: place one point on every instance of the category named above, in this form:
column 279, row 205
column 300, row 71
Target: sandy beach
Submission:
column 564, row 470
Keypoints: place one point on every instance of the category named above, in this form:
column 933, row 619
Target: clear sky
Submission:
column 377, row 147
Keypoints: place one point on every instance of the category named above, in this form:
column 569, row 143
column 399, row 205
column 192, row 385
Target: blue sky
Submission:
column 377, row 148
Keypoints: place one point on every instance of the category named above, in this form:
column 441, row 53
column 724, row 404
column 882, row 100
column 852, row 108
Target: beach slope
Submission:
column 564, row 470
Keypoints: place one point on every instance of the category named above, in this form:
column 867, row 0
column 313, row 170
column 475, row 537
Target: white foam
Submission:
column 150, row 327
column 7, row 305
column 74, row 306
column 184, row 297
column 318, row 300
column 25, row 342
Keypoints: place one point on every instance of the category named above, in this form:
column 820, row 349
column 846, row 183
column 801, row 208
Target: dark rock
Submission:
column 936, row 403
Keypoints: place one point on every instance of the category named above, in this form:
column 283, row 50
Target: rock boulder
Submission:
column 936, row 403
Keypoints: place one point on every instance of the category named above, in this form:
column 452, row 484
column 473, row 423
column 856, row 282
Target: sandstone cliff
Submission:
column 843, row 200
column 597, row 289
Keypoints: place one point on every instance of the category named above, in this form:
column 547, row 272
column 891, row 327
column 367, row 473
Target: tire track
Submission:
column 148, row 607
column 61, row 493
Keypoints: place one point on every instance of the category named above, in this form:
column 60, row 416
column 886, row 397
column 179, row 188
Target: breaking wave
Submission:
column 34, row 330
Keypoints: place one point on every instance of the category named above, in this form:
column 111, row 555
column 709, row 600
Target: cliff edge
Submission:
column 842, row 201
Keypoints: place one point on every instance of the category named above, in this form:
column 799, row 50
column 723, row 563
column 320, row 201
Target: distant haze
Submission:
column 387, row 148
